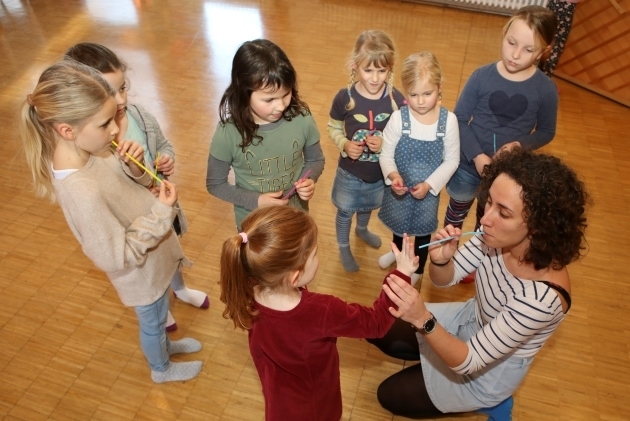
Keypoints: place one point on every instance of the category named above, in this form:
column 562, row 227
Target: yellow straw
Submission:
column 140, row 165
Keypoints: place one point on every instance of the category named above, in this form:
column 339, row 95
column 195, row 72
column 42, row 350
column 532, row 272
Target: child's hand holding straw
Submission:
column 305, row 187
column 124, row 148
column 164, row 164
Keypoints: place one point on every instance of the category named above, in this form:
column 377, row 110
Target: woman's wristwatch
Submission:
column 428, row 326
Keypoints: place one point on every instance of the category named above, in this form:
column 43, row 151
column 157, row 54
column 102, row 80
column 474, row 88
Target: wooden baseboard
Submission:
column 564, row 76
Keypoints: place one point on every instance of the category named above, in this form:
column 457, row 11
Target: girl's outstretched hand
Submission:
column 165, row 165
column 406, row 259
column 443, row 252
column 271, row 198
column 305, row 189
column 167, row 196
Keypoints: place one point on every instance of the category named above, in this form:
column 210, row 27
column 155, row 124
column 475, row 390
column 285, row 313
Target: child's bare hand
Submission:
column 374, row 143
column 481, row 161
column 271, row 198
column 420, row 190
column 165, row 165
column 168, row 196
column 508, row 147
column 305, row 189
column 353, row 149
column 132, row 148
column 398, row 186
column 406, row 260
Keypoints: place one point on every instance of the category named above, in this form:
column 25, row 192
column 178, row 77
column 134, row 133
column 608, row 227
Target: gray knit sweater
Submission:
column 122, row 228
column 156, row 141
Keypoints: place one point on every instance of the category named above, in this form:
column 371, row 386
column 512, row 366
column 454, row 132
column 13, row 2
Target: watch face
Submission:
column 429, row 325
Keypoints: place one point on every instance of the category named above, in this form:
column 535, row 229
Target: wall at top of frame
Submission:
column 597, row 53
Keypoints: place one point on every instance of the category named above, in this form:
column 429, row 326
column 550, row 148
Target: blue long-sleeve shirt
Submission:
column 493, row 111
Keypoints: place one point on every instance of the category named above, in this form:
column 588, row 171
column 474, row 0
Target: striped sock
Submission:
column 456, row 212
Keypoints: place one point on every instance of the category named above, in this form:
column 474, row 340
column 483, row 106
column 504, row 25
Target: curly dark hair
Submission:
column 554, row 205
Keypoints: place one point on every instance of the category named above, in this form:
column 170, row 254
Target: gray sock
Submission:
column 177, row 372
column 184, row 346
column 347, row 259
column 370, row 238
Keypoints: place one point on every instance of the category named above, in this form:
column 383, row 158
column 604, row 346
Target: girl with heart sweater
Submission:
column 504, row 104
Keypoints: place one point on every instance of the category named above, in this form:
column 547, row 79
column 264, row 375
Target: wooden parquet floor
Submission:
column 69, row 348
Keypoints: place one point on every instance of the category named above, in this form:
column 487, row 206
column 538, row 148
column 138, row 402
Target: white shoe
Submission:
column 386, row 260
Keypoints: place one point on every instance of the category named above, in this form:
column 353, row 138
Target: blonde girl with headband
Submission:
column 67, row 126
column 358, row 116
column 420, row 154
column 267, row 135
column 137, row 124
column 293, row 332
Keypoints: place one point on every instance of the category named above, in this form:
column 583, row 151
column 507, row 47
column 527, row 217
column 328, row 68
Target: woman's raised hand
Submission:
column 443, row 252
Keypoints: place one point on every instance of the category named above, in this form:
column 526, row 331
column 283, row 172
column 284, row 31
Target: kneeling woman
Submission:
column 474, row 355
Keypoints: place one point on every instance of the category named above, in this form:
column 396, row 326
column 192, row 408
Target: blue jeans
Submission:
column 351, row 194
column 153, row 339
column 462, row 187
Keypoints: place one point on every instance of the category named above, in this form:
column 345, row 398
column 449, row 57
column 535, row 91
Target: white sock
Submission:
column 184, row 346
column 386, row 260
column 193, row 297
column 177, row 372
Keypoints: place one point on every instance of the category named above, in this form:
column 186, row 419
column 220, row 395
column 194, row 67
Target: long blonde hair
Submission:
column 66, row 92
column 279, row 242
column 372, row 47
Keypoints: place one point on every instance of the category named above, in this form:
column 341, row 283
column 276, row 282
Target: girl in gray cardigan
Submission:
column 67, row 125
column 137, row 124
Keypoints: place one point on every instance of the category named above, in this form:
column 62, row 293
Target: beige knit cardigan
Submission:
column 122, row 228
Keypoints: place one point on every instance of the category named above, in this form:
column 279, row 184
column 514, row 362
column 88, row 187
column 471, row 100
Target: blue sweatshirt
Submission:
column 493, row 111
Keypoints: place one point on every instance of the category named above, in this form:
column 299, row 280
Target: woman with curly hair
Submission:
column 474, row 355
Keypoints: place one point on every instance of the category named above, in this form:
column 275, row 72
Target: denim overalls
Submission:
column 416, row 160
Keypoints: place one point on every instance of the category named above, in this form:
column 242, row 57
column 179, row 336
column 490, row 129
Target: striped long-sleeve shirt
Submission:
column 515, row 316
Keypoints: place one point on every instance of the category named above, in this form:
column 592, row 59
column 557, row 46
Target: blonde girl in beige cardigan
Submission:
column 67, row 126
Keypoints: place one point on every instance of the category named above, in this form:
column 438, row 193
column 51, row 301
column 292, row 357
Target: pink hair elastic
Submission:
column 243, row 236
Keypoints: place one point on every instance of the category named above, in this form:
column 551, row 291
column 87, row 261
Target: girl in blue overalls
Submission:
column 420, row 154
